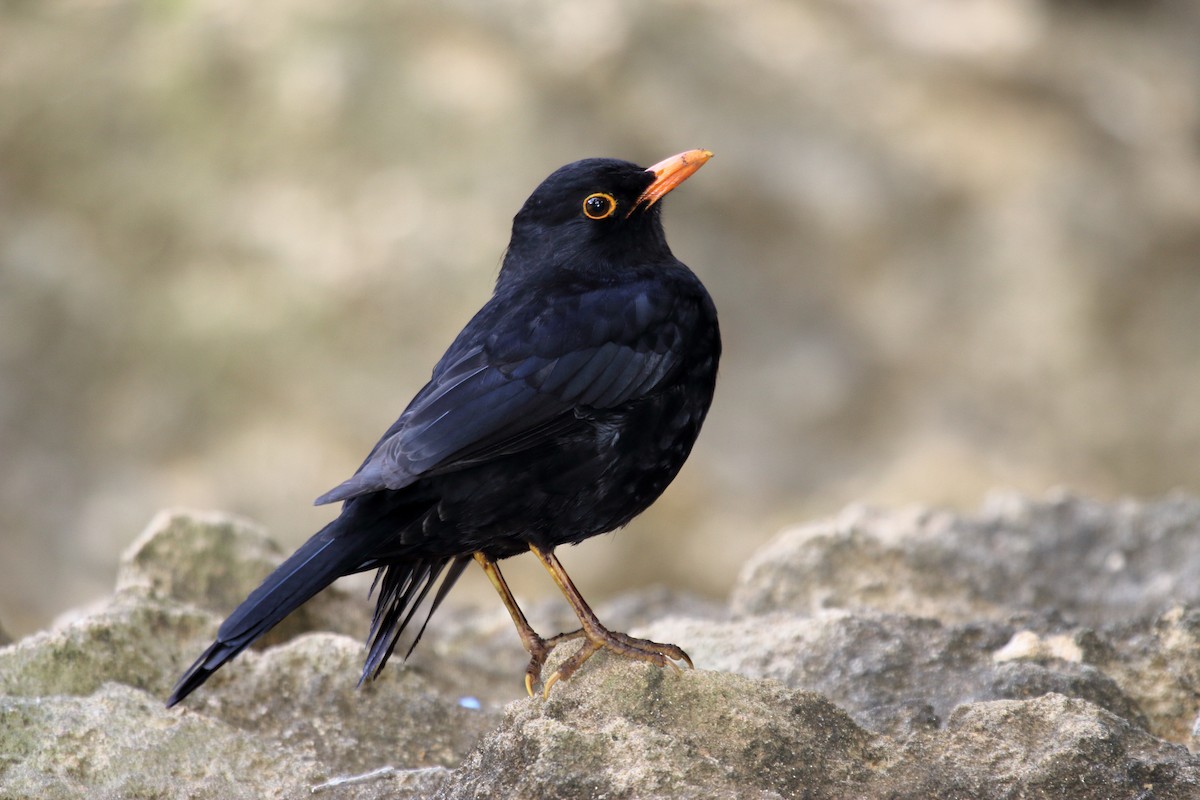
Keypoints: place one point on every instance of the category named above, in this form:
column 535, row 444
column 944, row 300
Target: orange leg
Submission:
column 535, row 645
column 596, row 636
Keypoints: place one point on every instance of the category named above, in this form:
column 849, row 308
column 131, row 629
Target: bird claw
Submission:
column 621, row 644
column 553, row 679
column 539, row 651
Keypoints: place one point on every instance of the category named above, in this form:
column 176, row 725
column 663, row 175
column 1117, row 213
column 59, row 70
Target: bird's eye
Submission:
column 599, row 205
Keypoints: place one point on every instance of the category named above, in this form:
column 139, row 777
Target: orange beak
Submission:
column 669, row 173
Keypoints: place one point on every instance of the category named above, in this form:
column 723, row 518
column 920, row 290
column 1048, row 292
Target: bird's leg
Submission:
column 595, row 635
column 537, row 647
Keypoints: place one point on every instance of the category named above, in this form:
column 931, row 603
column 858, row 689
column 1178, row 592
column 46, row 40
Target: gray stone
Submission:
column 633, row 730
column 622, row 730
column 1093, row 562
column 121, row 743
column 1157, row 663
column 299, row 697
column 305, row 695
column 893, row 672
column 840, row 692
column 135, row 642
column 212, row 561
column 1049, row 746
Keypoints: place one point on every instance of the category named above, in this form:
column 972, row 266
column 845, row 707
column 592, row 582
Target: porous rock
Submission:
column 305, row 695
column 1050, row 746
column 107, row 670
column 121, row 742
column 624, row 730
column 958, row 685
column 894, row 673
column 211, row 560
column 134, row 642
column 1097, row 563
column 634, row 730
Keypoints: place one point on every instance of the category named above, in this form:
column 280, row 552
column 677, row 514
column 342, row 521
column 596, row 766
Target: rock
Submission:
column 206, row 559
column 134, row 642
column 305, row 695
column 121, row 742
column 624, row 730
column 385, row 783
column 892, row 673
column 635, row 730
column 212, row 561
column 863, row 559
column 1157, row 663
column 1093, row 562
column 298, row 699
column 1050, row 746
column 841, row 690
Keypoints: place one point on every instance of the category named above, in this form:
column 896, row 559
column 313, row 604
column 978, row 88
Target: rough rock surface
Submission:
column 1093, row 562
column 1043, row 648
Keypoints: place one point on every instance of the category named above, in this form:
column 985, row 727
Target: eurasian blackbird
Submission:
column 563, row 410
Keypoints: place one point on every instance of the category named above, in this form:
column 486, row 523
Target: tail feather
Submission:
column 336, row 550
column 448, row 582
column 403, row 587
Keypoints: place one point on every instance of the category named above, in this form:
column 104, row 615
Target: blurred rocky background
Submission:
column 955, row 245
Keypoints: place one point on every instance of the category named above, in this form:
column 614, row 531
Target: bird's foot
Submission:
column 539, row 649
column 599, row 638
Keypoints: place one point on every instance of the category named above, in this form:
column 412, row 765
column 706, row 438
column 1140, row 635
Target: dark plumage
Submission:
column 562, row 410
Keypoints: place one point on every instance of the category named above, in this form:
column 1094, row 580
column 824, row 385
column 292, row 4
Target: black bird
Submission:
column 563, row 410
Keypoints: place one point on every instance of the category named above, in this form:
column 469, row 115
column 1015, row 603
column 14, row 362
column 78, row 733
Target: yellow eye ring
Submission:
column 599, row 205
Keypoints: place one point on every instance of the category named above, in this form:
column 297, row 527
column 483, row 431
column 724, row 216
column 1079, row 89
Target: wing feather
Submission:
column 487, row 399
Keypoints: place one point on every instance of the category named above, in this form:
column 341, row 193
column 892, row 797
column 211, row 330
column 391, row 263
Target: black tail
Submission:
column 402, row 587
column 338, row 549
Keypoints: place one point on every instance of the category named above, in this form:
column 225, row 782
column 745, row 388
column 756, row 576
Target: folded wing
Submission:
column 496, row 397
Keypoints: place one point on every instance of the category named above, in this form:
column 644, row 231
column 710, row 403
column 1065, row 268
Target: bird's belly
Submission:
column 571, row 489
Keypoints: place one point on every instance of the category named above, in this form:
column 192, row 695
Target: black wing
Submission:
column 513, row 381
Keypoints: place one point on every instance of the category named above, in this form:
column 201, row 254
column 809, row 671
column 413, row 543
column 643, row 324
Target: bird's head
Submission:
column 595, row 212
